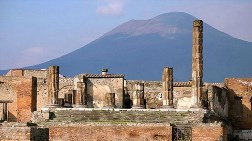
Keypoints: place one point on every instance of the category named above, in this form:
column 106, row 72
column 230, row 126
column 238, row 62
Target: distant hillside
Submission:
column 141, row 48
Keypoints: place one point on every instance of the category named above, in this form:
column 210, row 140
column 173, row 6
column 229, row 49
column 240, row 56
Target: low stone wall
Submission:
column 24, row 133
column 108, row 132
column 112, row 132
column 15, row 133
column 209, row 132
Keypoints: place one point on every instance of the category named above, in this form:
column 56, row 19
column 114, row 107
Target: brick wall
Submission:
column 25, row 100
column 35, row 73
column 240, row 92
column 111, row 132
column 27, row 73
column 24, row 134
column 208, row 133
column 16, row 72
column 14, row 133
column 218, row 101
column 23, row 97
column 40, row 89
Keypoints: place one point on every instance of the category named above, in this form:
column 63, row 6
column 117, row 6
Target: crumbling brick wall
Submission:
column 240, row 98
column 218, row 101
column 23, row 97
column 14, row 133
column 208, row 133
column 153, row 93
column 35, row 73
column 27, row 73
column 111, row 132
column 24, row 133
column 41, row 89
column 15, row 72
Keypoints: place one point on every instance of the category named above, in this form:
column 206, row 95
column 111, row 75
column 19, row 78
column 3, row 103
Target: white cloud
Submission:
column 113, row 7
column 33, row 51
column 31, row 56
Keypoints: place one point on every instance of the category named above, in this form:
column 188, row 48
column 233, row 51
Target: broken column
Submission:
column 5, row 111
column 68, row 98
column 197, row 63
column 138, row 96
column 80, row 95
column 109, row 101
column 167, row 87
column 53, row 86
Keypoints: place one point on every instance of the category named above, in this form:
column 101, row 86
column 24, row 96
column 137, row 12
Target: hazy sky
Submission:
column 35, row 31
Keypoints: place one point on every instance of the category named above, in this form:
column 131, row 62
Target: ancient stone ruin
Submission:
column 44, row 105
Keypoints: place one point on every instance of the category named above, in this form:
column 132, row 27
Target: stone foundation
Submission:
column 108, row 132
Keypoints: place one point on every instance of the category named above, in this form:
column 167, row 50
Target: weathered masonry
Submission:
column 197, row 62
column 53, row 86
column 167, row 83
column 45, row 105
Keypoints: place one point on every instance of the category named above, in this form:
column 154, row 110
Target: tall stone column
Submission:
column 167, row 87
column 80, row 95
column 53, row 86
column 138, row 96
column 197, row 63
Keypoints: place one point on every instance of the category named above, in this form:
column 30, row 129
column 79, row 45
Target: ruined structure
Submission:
column 80, row 95
column 44, row 105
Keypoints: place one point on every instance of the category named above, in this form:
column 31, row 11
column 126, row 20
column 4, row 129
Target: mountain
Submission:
column 141, row 48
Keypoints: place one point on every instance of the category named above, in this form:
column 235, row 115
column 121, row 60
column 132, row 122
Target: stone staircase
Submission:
column 125, row 116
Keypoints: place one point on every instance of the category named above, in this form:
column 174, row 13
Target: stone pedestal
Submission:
column 53, row 86
column 167, row 87
column 109, row 100
column 138, row 96
column 197, row 63
column 80, row 96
